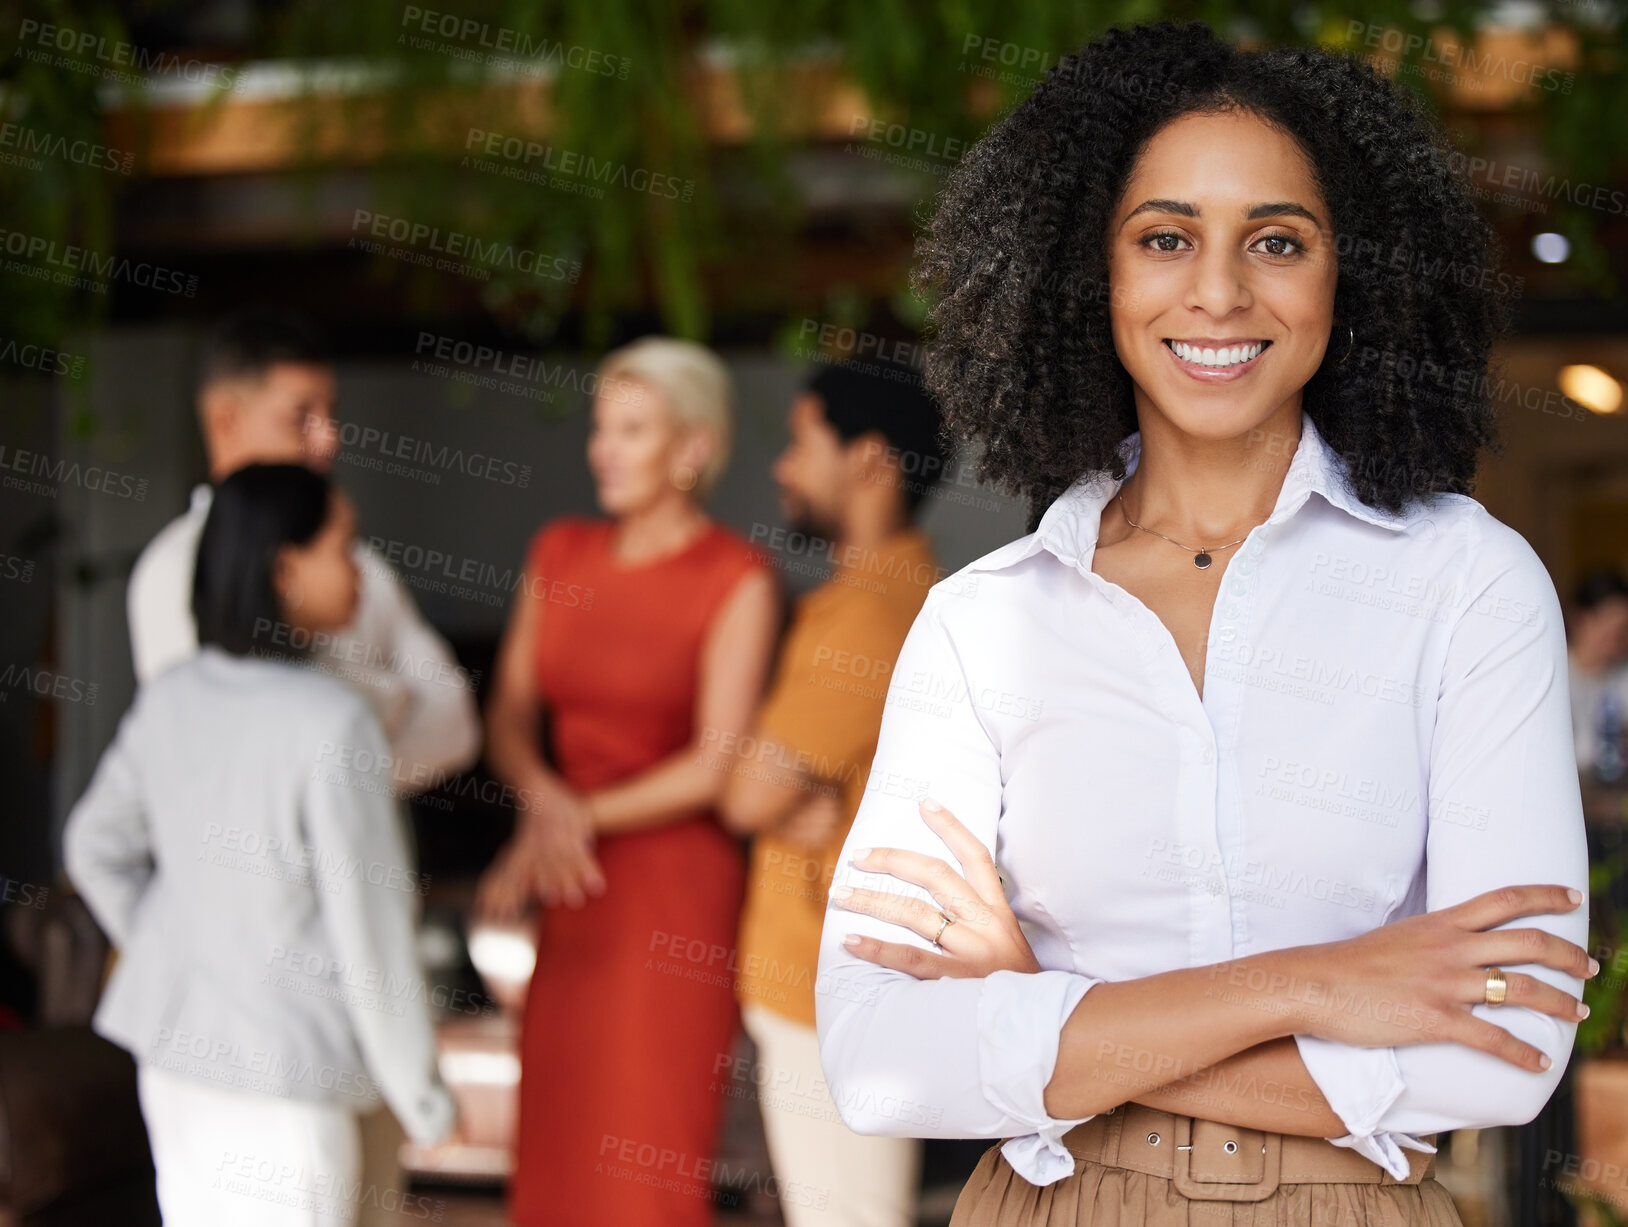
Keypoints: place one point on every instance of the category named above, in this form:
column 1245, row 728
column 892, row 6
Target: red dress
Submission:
column 631, row 1013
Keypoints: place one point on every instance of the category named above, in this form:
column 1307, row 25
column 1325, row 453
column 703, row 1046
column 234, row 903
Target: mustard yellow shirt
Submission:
column 824, row 707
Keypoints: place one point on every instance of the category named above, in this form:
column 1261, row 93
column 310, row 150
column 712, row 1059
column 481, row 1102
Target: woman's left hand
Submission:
column 984, row 935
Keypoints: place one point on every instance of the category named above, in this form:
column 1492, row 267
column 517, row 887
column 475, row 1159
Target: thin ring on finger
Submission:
column 948, row 921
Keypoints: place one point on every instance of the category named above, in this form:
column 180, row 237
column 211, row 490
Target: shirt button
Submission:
column 1231, row 610
column 1208, row 756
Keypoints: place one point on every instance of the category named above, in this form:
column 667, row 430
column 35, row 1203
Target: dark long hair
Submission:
column 255, row 512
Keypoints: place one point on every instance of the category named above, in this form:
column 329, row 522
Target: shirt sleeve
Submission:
column 945, row 1058
column 1505, row 810
column 106, row 844
column 158, row 601
column 427, row 701
column 372, row 927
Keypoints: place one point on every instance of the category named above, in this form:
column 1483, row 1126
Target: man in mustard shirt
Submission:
column 864, row 451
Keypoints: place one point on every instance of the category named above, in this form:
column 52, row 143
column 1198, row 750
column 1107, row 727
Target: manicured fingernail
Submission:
column 851, row 941
column 1544, row 1061
column 1582, row 1010
column 861, row 853
column 1594, row 967
column 1576, row 896
column 841, row 892
column 928, row 803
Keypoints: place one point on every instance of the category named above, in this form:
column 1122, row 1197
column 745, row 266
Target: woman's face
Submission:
column 1221, row 241
column 635, row 446
column 319, row 583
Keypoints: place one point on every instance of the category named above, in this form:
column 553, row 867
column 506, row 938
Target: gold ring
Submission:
column 948, row 921
column 1497, row 986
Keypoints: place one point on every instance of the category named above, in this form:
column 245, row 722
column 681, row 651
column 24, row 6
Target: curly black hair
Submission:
column 1020, row 351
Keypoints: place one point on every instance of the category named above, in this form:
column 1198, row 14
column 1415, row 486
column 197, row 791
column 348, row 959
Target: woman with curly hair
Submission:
column 1251, row 853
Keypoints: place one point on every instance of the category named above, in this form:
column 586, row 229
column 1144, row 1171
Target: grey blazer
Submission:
column 240, row 844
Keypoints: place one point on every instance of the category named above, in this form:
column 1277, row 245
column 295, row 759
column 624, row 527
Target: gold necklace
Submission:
column 1201, row 558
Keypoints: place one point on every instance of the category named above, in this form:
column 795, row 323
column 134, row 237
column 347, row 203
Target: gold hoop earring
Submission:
column 685, row 477
column 1351, row 340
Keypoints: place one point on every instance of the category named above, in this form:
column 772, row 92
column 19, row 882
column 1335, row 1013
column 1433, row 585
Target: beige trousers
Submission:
column 827, row 1175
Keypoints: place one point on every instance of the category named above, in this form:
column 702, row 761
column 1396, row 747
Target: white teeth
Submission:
column 1230, row 356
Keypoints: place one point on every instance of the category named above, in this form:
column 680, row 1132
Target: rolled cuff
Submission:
column 428, row 1116
column 1360, row 1085
column 1020, row 1023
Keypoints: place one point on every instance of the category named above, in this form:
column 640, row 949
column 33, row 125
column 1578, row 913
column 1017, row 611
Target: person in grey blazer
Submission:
column 240, row 845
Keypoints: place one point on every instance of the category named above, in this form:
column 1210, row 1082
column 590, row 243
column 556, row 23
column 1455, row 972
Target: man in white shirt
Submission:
column 1596, row 647
column 266, row 392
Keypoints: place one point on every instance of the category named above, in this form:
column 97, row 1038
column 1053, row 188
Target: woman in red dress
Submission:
column 642, row 641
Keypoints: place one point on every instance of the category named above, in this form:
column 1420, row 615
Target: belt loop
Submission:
column 1110, row 1135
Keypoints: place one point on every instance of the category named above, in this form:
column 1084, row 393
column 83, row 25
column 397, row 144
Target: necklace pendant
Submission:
column 1201, row 560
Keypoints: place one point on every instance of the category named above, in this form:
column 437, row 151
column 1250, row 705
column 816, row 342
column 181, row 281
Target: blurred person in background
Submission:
column 1597, row 648
column 863, row 453
column 242, row 851
column 641, row 641
column 266, row 394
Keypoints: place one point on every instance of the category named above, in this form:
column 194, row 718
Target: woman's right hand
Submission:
column 1416, row 980
column 559, row 834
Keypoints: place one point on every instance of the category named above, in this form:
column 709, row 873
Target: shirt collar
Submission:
column 1068, row 528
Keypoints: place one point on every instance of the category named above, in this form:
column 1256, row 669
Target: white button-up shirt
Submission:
column 1384, row 729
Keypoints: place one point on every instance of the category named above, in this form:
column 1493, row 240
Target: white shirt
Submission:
column 239, row 844
column 389, row 653
column 1384, row 730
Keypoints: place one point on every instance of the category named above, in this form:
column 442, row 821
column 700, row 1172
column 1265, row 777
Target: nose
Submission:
column 1219, row 285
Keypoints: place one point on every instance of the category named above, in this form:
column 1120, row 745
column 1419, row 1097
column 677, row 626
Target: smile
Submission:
column 1219, row 358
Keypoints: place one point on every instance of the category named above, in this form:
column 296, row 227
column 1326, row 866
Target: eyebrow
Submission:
column 1270, row 208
